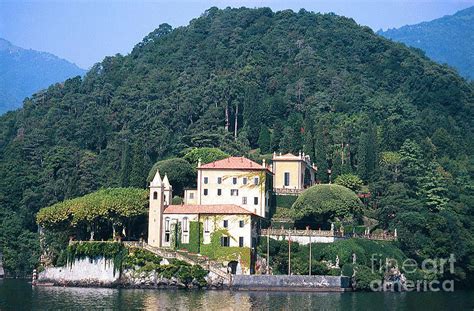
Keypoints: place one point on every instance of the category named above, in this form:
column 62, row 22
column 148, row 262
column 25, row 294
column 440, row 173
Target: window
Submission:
column 219, row 180
column 167, row 224
column 191, row 195
column 155, row 195
column 205, row 191
column 226, row 223
column 206, row 225
column 167, row 237
column 225, row 241
column 234, row 180
column 241, row 223
column 234, row 192
column 255, row 180
column 219, row 191
column 244, row 180
column 241, row 241
column 255, row 200
column 185, row 224
column 287, row 179
column 244, row 200
column 206, row 180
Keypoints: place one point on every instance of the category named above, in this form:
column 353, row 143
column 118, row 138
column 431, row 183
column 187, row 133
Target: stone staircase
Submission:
column 190, row 258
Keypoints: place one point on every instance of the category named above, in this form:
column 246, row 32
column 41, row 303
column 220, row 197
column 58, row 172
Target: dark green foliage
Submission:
column 180, row 173
column 264, row 140
column 321, row 204
column 364, row 277
column 207, row 155
column 285, row 201
column 177, row 200
column 140, row 257
column 350, row 181
column 15, row 242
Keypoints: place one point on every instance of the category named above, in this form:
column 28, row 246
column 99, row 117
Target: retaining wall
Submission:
column 291, row 282
column 99, row 270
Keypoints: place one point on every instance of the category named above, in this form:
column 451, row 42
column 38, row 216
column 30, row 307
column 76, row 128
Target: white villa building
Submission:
column 232, row 196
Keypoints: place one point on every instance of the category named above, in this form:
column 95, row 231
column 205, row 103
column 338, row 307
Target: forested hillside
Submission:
column 24, row 72
column 250, row 81
column 448, row 40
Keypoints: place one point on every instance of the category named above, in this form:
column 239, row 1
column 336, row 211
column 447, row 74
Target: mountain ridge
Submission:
column 448, row 39
column 25, row 71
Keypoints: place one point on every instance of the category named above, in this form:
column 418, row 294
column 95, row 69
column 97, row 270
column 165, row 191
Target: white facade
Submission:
column 239, row 187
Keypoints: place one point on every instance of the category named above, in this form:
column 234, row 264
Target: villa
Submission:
column 222, row 218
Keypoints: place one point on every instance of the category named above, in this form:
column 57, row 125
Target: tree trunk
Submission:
column 236, row 123
column 227, row 117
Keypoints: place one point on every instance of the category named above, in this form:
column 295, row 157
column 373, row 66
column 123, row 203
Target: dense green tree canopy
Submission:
column 114, row 206
column 205, row 154
column 350, row 181
column 322, row 203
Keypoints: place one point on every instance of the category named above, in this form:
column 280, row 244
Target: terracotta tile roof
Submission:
column 206, row 209
column 238, row 163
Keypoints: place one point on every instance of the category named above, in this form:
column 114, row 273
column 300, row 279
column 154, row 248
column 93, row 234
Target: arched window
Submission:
column 185, row 224
column 206, row 225
column 155, row 195
column 167, row 224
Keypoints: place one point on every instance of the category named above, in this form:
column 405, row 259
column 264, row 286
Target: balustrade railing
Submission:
column 326, row 233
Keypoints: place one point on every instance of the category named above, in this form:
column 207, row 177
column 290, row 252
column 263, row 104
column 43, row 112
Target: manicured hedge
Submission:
column 321, row 203
column 285, row 200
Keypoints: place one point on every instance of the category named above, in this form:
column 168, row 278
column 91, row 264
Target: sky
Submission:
column 85, row 31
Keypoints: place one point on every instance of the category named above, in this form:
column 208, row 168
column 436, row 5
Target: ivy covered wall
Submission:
column 215, row 251
column 195, row 233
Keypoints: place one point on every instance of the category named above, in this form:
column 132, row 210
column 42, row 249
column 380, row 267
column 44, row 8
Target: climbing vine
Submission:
column 195, row 232
column 214, row 250
column 93, row 250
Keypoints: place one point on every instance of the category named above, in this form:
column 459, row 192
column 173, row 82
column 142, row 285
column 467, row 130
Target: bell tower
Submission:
column 167, row 190
column 155, row 212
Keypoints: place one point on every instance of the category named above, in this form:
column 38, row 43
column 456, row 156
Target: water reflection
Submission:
column 20, row 295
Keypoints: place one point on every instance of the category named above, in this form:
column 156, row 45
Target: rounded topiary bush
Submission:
column 322, row 203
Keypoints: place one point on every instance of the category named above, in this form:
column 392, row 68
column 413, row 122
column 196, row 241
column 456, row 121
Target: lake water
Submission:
column 20, row 295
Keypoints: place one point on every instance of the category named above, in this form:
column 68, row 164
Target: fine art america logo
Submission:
column 405, row 276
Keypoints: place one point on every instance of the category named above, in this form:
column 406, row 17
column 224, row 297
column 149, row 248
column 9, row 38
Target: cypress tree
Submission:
column 320, row 152
column 276, row 136
column 362, row 157
column 264, row 140
column 125, row 166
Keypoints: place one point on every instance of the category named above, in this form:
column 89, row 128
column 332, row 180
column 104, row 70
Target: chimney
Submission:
column 263, row 163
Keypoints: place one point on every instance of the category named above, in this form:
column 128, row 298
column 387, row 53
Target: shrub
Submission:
column 285, row 200
column 322, row 203
column 177, row 200
column 363, row 278
column 350, row 181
